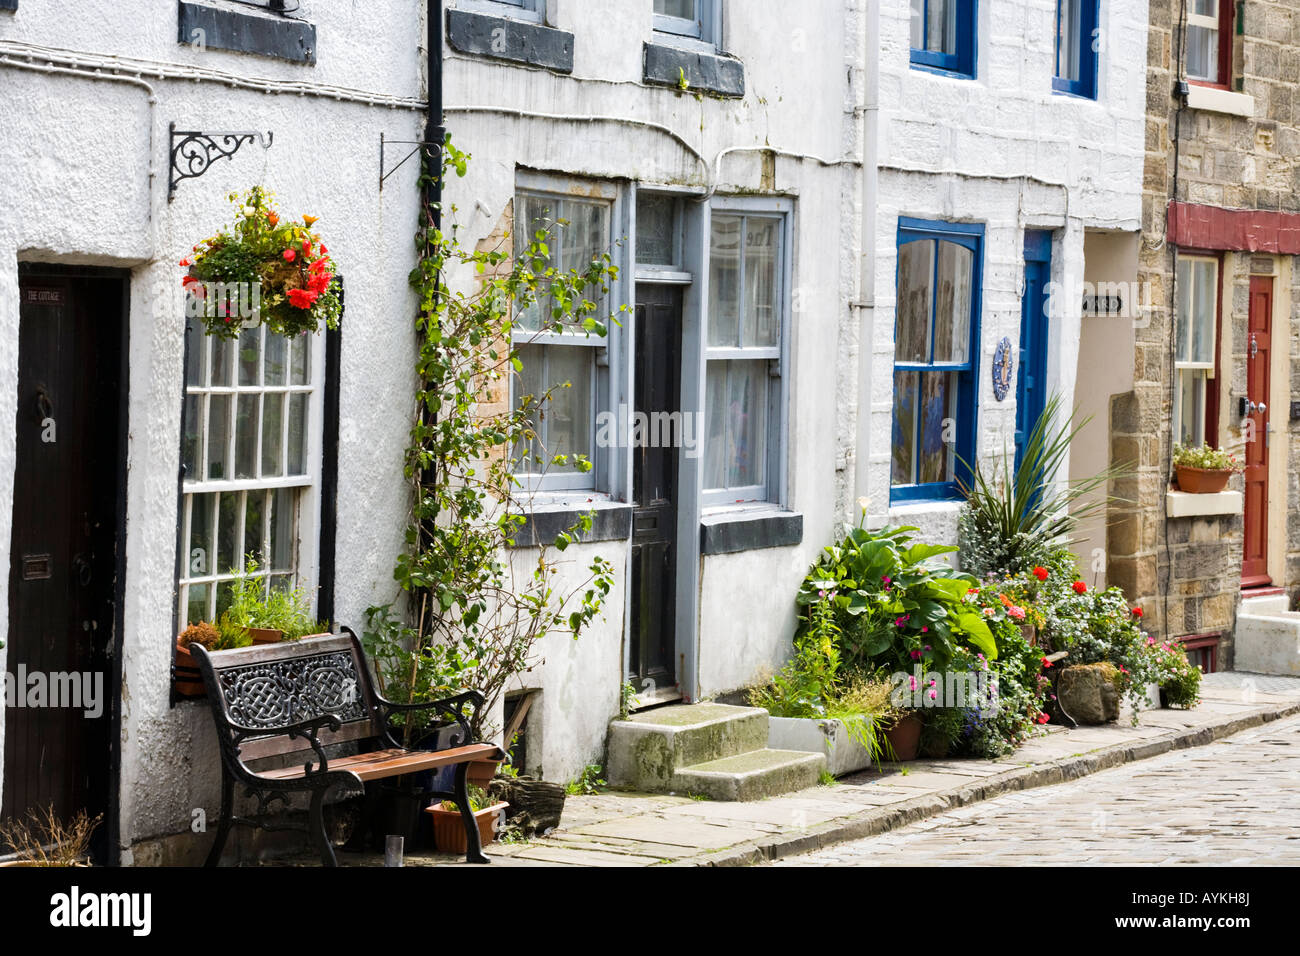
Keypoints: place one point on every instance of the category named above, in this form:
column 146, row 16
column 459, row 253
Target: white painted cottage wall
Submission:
column 1003, row 150
column 75, row 154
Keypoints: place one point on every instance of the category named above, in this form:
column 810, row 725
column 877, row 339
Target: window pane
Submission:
column 915, row 276
column 1183, row 332
column 246, row 436
column 191, row 448
column 724, row 281
column 676, row 8
column 199, row 557
column 223, row 356
column 255, row 525
column 762, row 244
column 277, row 349
column 1205, row 294
column 568, row 413
column 301, row 365
column 918, row 24
column 715, row 448
column 194, row 359
column 250, row 355
column 272, row 432
column 228, row 559
column 1205, row 8
column 283, row 515
column 1203, row 53
column 941, row 36
column 904, row 431
column 584, row 238
column 528, row 384
column 935, row 459
column 746, row 423
column 1068, row 38
column 952, row 314
column 218, row 436
column 656, row 230
column 298, row 434
column 535, row 214
column 196, row 604
column 1189, row 410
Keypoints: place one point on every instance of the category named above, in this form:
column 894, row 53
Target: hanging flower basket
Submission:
column 264, row 270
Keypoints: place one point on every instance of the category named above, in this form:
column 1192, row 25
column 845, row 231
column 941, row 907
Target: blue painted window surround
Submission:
column 936, row 358
column 944, row 36
column 1076, row 47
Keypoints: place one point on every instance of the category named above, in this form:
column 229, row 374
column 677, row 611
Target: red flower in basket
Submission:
column 1040, row 572
column 1046, row 662
column 1080, row 587
column 1137, row 612
column 303, row 298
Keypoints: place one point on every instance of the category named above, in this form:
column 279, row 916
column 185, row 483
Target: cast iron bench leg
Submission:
column 474, row 846
column 316, row 825
column 223, row 828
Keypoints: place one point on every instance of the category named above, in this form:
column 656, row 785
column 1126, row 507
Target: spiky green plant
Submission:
column 1014, row 515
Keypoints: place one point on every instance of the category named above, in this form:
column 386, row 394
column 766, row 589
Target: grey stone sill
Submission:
column 262, row 34
column 1180, row 504
column 665, row 65
column 610, row 520
column 729, row 532
column 501, row 38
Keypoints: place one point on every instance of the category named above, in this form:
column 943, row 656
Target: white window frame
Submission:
column 532, row 11
column 1215, row 25
column 772, row 491
column 706, row 27
column 1184, row 361
column 600, row 480
column 304, row 545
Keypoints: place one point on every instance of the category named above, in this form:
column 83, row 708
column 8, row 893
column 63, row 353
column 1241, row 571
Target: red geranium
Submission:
column 290, row 255
column 1080, row 587
column 1040, row 572
column 303, row 298
column 1046, row 662
column 1137, row 612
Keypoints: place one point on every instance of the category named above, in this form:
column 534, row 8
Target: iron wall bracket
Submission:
column 193, row 151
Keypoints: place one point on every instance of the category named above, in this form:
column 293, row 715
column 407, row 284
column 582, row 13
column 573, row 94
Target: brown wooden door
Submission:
column 656, row 392
column 1254, row 565
column 64, row 545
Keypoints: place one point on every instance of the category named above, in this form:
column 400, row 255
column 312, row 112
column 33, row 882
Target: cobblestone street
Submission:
column 1235, row 801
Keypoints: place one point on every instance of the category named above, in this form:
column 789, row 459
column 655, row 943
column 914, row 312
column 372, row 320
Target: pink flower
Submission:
column 933, row 695
column 911, row 682
column 916, row 655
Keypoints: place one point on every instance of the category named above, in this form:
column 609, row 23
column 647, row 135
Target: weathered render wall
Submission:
column 84, row 162
column 1186, row 572
column 1003, row 150
column 604, row 122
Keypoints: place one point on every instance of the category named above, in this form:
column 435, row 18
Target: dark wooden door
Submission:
column 1254, row 565
column 64, row 545
column 1031, row 380
column 657, row 396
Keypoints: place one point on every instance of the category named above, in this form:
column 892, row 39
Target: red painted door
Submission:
column 1254, row 565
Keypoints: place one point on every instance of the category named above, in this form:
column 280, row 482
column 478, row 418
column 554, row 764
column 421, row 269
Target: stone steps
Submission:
column 1267, row 637
column 713, row 750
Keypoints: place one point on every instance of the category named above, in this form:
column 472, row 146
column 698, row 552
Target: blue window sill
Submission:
column 920, row 494
column 942, row 71
column 1074, row 89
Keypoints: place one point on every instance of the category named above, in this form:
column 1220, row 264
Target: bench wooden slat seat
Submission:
column 287, row 702
column 394, row 762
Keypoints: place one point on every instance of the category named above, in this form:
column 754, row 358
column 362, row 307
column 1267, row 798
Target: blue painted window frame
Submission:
column 1086, row 85
column 970, row 235
column 962, row 62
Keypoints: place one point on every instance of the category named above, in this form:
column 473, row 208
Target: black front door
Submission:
column 64, row 549
column 655, row 434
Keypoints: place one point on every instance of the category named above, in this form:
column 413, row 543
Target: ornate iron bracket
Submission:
column 193, row 151
column 419, row 144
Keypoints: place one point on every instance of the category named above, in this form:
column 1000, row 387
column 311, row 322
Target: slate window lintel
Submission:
column 8, row 4
column 609, row 522
column 502, row 38
column 728, row 533
column 665, row 65
column 263, row 34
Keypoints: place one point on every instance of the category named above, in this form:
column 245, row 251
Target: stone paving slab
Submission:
column 637, row 829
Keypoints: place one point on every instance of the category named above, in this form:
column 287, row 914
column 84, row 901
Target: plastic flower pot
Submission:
column 1201, row 481
column 904, row 736
column 449, row 829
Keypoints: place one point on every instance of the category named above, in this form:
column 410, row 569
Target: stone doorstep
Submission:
column 751, row 776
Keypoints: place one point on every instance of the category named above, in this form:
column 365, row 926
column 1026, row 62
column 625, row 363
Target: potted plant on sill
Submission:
column 448, row 828
column 269, row 614
column 189, row 682
column 1203, row 469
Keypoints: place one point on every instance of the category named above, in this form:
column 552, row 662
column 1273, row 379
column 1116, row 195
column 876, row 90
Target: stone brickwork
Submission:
column 1186, row 572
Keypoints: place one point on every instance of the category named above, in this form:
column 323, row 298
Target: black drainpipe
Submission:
column 433, row 131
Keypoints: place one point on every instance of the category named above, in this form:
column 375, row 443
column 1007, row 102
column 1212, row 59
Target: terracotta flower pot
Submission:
column 189, row 682
column 904, row 736
column 449, row 829
column 481, row 772
column 265, row 635
column 1201, row 481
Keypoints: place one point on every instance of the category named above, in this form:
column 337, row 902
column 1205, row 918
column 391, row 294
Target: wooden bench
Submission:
column 296, row 699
